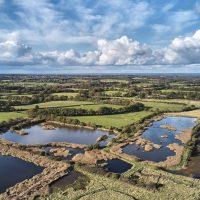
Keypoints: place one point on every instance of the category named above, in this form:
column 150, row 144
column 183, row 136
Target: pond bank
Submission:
column 38, row 185
column 163, row 142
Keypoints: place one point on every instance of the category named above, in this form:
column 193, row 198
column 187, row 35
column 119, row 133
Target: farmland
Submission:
column 118, row 121
column 74, row 126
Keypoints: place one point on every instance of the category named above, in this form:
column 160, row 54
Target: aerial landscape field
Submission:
column 99, row 100
column 135, row 143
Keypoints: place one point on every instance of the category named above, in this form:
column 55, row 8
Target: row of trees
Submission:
column 39, row 98
column 83, row 112
column 6, row 107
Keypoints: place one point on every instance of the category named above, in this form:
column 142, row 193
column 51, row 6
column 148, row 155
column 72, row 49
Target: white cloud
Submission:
column 184, row 50
column 73, row 22
column 168, row 6
column 122, row 51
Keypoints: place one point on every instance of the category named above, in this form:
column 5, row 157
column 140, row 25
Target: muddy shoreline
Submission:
column 38, row 185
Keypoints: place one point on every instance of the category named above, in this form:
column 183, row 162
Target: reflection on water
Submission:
column 117, row 166
column 37, row 135
column 157, row 155
column 14, row 170
column 155, row 132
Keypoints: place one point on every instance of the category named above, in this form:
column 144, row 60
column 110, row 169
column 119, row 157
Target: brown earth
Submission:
column 184, row 136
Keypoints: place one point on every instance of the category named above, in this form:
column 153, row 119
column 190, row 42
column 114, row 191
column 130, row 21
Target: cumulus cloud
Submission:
column 12, row 52
column 184, row 50
column 122, row 51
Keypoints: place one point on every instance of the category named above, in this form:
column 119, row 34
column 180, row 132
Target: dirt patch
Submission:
column 184, row 136
column 168, row 127
column 176, row 159
column 60, row 152
column 92, row 157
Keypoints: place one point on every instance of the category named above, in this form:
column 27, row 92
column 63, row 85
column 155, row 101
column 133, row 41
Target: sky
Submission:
column 99, row 36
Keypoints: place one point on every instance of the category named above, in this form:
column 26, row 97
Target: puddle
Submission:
column 117, row 166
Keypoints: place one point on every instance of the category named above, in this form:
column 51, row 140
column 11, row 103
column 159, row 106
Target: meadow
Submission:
column 118, row 120
column 54, row 104
column 5, row 116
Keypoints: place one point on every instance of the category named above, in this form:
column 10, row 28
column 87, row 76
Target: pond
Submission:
column 155, row 134
column 14, row 170
column 117, row 166
column 38, row 135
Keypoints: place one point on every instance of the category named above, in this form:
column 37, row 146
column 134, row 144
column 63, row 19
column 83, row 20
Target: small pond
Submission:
column 154, row 134
column 14, row 170
column 117, row 166
column 38, row 135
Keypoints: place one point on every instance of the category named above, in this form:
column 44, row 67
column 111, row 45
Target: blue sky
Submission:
column 56, row 35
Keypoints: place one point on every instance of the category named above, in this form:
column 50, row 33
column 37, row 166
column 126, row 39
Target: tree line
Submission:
column 84, row 112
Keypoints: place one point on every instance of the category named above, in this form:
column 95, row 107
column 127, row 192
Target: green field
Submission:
column 95, row 106
column 5, row 116
column 185, row 101
column 114, row 80
column 113, row 92
column 69, row 94
column 70, row 104
column 163, row 106
column 118, row 120
column 192, row 113
column 54, row 104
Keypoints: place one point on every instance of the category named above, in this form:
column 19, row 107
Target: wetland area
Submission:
column 74, row 142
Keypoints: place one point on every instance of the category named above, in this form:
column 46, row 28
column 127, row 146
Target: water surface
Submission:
column 14, row 170
column 37, row 135
column 117, row 166
column 154, row 134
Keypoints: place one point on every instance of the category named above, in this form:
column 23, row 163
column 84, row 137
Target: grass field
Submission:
column 163, row 106
column 95, row 106
column 185, row 101
column 114, row 80
column 5, row 116
column 70, row 104
column 101, row 187
column 192, row 113
column 54, row 104
column 112, row 92
column 118, row 120
column 69, row 94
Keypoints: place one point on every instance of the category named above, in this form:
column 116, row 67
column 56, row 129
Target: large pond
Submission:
column 38, row 135
column 14, row 170
column 155, row 134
